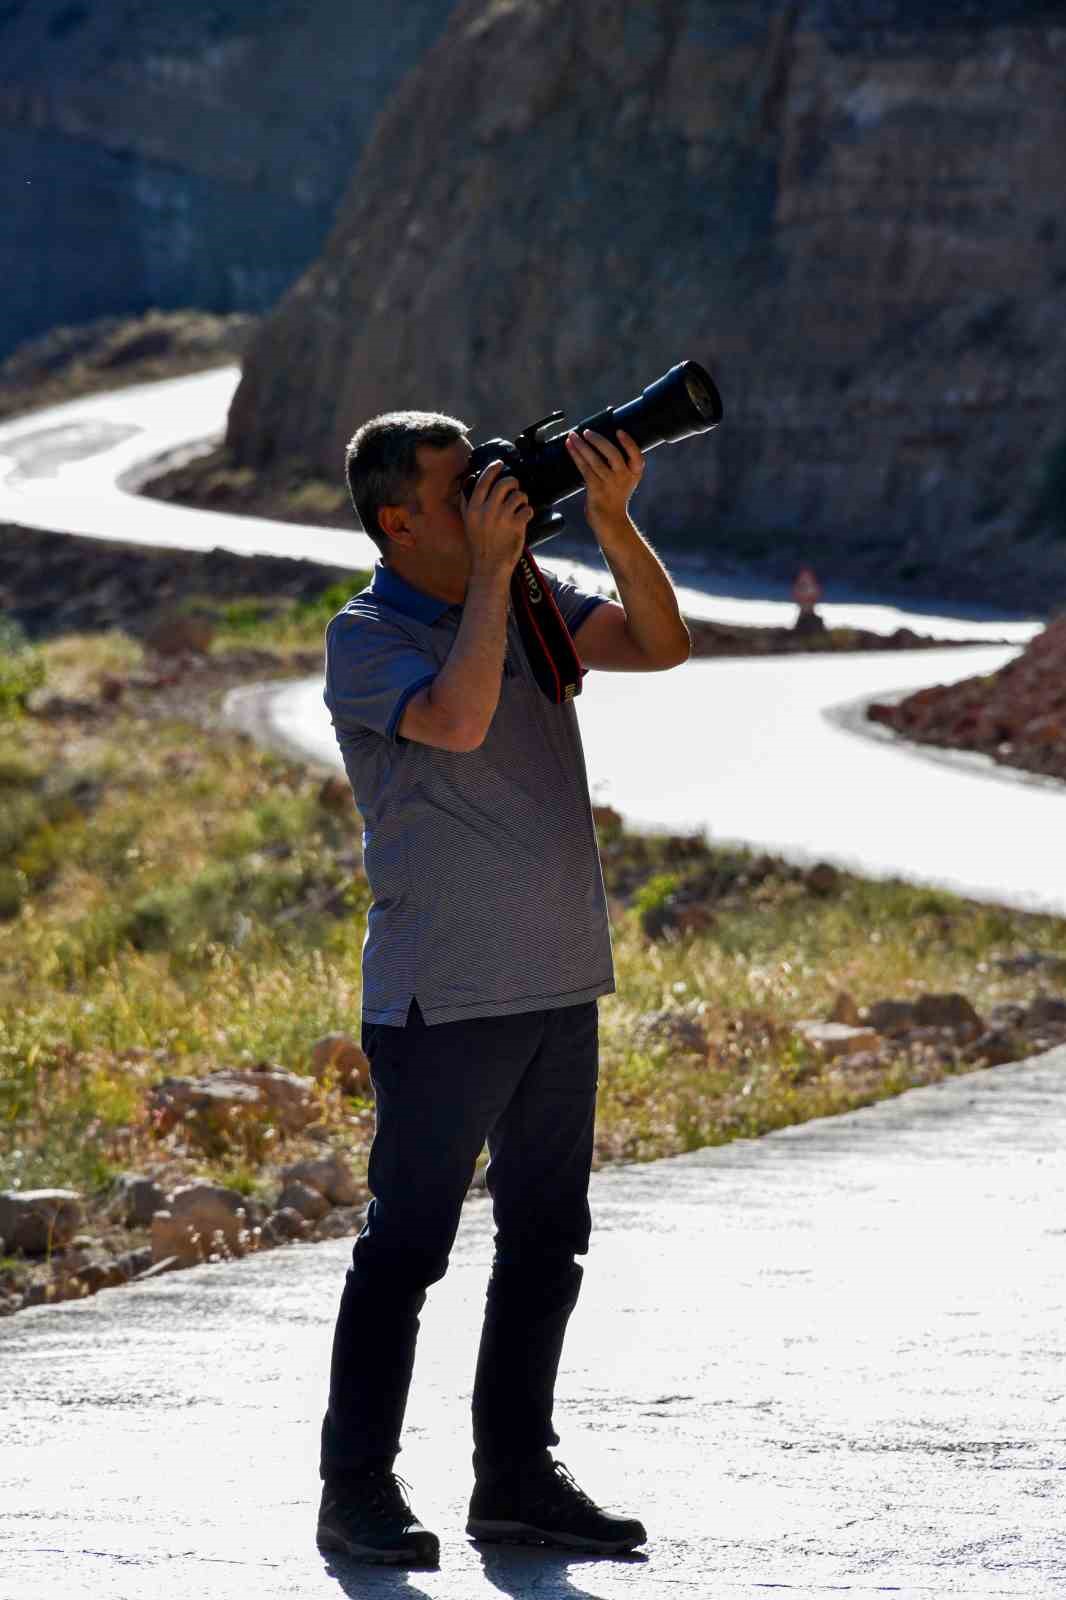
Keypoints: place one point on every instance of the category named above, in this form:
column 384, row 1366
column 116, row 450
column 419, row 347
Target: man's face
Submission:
column 438, row 520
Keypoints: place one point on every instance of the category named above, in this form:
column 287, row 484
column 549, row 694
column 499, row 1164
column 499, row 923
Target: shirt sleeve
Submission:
column 574, row 603
column 372, row 670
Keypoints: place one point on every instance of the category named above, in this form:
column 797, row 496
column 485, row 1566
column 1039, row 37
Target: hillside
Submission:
column 851, row 214
column 164, row 155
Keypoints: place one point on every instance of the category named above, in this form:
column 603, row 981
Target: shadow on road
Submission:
column 515, row 1570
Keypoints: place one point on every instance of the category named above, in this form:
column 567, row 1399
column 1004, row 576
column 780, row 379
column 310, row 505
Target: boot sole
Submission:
column 379, row 1558
column 525, row 1533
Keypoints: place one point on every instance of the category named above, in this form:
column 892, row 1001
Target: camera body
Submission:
column 680, row 404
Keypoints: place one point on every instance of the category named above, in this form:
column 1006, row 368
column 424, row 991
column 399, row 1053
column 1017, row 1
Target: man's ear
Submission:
column 396, row 524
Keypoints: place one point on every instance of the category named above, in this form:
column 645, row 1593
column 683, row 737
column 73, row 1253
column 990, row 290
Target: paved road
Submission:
column 74, row 468
column 744, row 749
column 828, row 1361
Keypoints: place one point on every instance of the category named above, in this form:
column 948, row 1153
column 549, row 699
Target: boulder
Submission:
column 995, row 1047
column 101, row 1271
column 308, row 1202
column 339, row 1054
column 201, row 1219
column 38, row 1221
column 1046, row 1009
column 845, row 1010
column 176, row 1238
column 947, row 1011
column 330, row 1175
column 891, row 1017
column 283, row 1224
column 832, row 1039
column 134, row 1199
column 339, row 1224
column 213, row 1105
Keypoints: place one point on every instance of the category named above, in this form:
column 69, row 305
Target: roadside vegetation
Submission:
column 111, row 352
column 174, row 899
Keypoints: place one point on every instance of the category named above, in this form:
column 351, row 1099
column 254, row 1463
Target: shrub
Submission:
column 22, row 668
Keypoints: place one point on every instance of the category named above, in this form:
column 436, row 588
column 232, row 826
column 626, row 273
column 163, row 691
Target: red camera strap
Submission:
column 549, row 648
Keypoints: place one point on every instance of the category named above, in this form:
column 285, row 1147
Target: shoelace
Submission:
column 391, row 1491
column 566, row 1488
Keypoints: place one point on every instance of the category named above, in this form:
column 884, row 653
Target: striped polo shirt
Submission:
column 483, row 865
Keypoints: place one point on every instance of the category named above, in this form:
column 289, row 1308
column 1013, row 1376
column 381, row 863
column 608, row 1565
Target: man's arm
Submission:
column 455, row 710
column 647, row 632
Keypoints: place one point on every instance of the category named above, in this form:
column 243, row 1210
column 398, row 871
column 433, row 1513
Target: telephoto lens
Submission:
column 680, row 404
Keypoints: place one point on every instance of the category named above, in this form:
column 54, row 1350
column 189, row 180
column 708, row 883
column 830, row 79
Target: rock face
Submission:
column 851, row 214
column 182, row 155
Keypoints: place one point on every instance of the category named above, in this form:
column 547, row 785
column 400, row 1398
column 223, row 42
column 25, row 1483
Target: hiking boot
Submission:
column 369, row 1518
column 540, row 1503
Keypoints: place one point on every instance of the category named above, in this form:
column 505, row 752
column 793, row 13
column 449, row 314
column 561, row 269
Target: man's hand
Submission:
column 610, row 476
column 494, row 519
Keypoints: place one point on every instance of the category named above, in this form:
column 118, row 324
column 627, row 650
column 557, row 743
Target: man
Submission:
column 487, row 947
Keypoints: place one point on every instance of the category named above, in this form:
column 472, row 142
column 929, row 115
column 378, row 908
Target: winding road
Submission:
column 771, row 752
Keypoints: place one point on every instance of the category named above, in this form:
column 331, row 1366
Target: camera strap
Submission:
column 549, row 648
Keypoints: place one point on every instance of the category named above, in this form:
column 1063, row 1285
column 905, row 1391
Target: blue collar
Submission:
column 389, row 587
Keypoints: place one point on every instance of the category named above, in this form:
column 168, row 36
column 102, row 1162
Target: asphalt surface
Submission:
column 749, row 751
column 755, row 752
column 827, row 1361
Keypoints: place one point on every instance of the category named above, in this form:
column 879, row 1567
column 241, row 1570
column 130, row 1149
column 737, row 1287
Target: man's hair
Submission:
column 381, row 462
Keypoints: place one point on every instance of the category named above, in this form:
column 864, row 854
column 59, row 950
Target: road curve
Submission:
column 749, row 750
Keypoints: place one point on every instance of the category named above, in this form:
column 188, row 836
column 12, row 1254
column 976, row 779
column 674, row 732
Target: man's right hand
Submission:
column 495, row 520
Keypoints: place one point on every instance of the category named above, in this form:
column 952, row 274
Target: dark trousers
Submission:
column 527, row 1084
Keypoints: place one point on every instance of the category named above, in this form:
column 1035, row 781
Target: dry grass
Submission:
column 178, row 900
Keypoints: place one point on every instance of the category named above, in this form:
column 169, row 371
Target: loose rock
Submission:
column 211, row 1106
column 338, row 1053
column 947, row 1011
column 845, row 1010
column 833, row 1039
column 891, row 1017
column 308, row 1202
column 134, row 1199
column 37, row 1221
column 330, row 1175
column 285, row 1223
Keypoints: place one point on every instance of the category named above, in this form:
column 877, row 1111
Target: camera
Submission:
column 683, row 402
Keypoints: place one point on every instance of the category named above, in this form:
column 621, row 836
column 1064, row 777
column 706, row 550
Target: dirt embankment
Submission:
column 52, row 583
column 111, row 352
column 1017, row 715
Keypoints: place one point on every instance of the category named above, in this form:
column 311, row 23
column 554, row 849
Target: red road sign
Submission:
column 806, row 590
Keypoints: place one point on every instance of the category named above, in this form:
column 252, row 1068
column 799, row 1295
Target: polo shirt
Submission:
column 483, row 865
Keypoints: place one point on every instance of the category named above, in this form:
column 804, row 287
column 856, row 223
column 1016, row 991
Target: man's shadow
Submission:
column 522, row 1570
column 515, row 1570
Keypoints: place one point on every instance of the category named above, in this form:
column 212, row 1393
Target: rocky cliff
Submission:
column 171, row 155
column 851, row 213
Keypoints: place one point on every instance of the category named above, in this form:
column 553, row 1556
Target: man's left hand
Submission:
column 610, row 475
